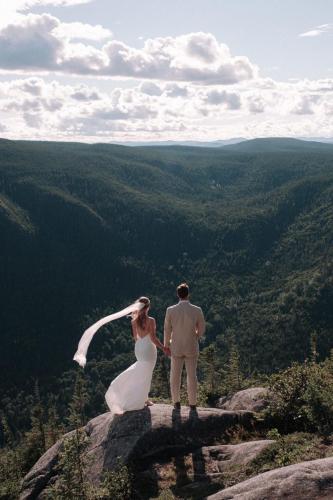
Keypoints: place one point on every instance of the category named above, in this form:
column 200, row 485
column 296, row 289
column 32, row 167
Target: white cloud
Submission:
column 196, row 57
column 39, row 108
column 30, row 44
column 10, row 9
column 151, row 88
column 317, row 31
column 84, row 93
column 256, row 104
column 305, row 105
column 42, row 42
column 230, row 99
column 176, row 90
column 83, row 31
column 32, row 86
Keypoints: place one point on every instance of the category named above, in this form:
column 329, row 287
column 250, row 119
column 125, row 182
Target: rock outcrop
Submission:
column 311, row 480
column 139, row 437
column 207, row 467
column 252, row 399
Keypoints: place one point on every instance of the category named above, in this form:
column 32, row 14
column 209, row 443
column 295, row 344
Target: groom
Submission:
column 183, row 326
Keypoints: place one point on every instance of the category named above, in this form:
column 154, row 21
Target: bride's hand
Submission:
column 167, row 351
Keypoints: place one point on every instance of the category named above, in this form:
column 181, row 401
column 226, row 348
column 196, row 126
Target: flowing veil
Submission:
column 81, row 353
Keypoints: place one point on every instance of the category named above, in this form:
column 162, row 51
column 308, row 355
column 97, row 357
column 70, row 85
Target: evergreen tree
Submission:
column 233, row 374
column 78, row 405
column 313, row 347
column 35, row 439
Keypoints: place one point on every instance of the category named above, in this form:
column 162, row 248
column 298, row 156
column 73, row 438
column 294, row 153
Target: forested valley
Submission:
column 86, row 229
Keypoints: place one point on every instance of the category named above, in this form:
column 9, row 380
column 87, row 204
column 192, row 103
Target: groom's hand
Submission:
column 167, row 351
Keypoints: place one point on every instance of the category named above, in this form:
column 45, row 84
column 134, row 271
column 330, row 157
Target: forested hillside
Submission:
column 85, row 229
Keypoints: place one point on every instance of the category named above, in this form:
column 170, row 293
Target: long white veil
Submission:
column 81, row 353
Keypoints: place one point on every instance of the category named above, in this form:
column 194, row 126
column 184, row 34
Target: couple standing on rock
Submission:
column 183, row 326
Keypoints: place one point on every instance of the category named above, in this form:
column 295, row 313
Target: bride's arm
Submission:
column 153, row 336
column 133, row 329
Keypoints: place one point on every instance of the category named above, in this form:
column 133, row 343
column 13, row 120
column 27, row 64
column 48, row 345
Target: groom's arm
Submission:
column 167, row 329
column 201, row 324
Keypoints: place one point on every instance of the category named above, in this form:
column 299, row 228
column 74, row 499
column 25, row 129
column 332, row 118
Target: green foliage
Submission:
column 211, row 376
column 72, row 480
column 34, row 441
column 302, row 398
column 287, row 450
column 10, row 473
column 77, row 407
column 160, row 388
column 233, row 375
column 117, row 484
column 71, row 483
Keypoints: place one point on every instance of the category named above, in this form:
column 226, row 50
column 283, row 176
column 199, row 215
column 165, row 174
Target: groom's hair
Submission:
column 182, row 290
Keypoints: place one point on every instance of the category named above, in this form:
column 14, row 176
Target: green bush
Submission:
column 302, row 398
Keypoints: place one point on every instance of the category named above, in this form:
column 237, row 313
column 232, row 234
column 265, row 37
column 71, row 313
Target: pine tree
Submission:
column 233, row 375
column 313, row 347
column 35, row 440
column 160, row 384
column 77, row 407
column 213, row 375
column 11, row 466
column 53, row 427
column 73, row 462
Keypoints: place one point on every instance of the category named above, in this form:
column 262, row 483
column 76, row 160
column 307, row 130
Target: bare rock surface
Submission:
column 311, row 480
column 252, row 399
column 206, row 467
column 221, row 456
column 136, row 437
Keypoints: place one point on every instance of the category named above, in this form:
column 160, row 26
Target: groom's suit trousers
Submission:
column 183, row 326
column 177, row 364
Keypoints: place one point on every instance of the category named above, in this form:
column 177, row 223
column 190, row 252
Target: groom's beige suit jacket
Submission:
column 183, row 326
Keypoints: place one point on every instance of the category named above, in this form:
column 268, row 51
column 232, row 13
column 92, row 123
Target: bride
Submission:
column 129, row 391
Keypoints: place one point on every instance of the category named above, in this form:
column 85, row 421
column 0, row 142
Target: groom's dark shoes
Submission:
column 177, row 406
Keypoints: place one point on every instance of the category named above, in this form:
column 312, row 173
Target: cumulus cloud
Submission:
column 196, row 57
column 42, row 42
column 256, row 104
column 32, row 86
column 40, row 108
column 318, row 31
column 230, row 99
column 304, row 105
column 151, row 88
column 10, row 10
column 84, row 93
column 23, row 5
column 176, row 90
column 82, row 30
column 30, row 44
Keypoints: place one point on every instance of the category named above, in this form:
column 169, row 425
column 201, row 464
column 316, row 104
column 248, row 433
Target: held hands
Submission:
column 167, row 351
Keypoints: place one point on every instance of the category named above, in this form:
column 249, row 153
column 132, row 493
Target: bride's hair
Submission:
column 141, row 316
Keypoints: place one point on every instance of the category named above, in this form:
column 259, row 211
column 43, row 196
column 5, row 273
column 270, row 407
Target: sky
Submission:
column 156, row 70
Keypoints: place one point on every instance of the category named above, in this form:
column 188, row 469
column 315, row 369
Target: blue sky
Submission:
column 102, row 70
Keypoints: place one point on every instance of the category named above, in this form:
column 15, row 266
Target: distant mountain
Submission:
column 199, row 144
column 328, row 140
column 278, row 144
column 85, row 229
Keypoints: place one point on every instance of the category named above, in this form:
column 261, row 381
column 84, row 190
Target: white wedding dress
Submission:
column 129, row 391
